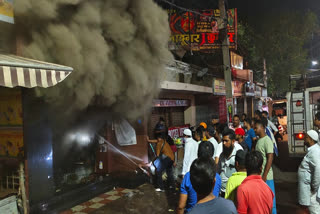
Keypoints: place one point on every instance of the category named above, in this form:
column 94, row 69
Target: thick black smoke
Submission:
column 118, row 49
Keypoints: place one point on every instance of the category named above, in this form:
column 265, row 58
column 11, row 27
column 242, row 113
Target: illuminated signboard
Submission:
column 200, row 32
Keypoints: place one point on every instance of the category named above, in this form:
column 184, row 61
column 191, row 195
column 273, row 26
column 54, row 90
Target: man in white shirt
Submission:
column 226, row 165
column 190, row 151
column 317, row 124
column 309, row 174
column 210, row 133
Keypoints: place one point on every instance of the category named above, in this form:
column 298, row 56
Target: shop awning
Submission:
column 29, row 73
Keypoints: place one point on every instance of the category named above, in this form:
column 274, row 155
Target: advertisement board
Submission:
column 200, row 30
column 6, row 11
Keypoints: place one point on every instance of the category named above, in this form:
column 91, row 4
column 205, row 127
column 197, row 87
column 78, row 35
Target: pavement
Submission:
column 144, row 199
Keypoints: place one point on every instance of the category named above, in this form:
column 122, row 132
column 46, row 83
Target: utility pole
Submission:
column 226, row 59
column 265, row 77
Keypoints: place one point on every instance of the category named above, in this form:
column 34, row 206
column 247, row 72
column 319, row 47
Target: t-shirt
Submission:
column 215, row 145
column 254, row 196
column 234, row 181
column 248, row 138
column 265, row 146
column 227, row 166
column 187, row 189
column 190, row 154
column 215, row 206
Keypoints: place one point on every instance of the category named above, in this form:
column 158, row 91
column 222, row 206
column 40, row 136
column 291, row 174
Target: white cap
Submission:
column 187, row 132
column 314, row 135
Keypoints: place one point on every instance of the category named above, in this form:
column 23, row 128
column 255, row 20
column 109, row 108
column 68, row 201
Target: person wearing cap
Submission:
column 317, row 124
column 190, row 151
column 203, row 126
column 236, row 179
column 309, row 174
column 240, row 133
column 188, row 196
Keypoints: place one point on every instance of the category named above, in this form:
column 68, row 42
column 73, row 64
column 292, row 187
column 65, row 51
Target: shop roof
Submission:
column 18, row 71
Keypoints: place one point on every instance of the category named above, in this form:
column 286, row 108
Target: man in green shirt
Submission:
column 236, row 179
column 265, row 146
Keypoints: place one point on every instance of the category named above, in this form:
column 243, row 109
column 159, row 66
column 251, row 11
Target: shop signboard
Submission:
column 237, row 88
column 264, row 92
column 257, row 92
column 11, row 143
column 249, row 89
column 10, row 108
column 170, row 103
column 199, row 30
column 176, row 132
column 219, row 87
column 6, row 11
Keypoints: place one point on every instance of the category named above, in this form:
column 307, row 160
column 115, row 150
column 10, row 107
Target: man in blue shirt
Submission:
column 188, row 196
column 202, row 176
column 250, row 135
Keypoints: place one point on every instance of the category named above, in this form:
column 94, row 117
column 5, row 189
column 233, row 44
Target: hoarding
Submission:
column 6, row 11
column 200, row 31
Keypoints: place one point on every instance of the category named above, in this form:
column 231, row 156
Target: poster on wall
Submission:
column 200, row 31
column 6, row 11
column 11, row 143
column 10, row 108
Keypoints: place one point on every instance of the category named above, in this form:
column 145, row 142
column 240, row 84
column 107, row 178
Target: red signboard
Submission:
column 170, row 103
column 176, row 132
column 200, row 32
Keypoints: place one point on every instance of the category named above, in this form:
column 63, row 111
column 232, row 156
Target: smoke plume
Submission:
column 117, row 48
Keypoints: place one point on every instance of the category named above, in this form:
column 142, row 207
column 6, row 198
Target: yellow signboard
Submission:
column 6, row 11
column 10, row 107
column 11, row 143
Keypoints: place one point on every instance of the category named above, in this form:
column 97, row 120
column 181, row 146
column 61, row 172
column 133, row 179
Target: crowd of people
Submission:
column 228, row 169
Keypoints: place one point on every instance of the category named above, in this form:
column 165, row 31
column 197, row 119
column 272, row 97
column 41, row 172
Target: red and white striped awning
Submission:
column 29, row 73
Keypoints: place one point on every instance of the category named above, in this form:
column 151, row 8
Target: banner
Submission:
column 176, row 132
column 200, row 32
column 6, row 11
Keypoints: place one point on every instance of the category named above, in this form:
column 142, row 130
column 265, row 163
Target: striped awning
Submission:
column 29, row 73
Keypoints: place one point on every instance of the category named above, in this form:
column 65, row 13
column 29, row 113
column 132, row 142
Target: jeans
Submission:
column 270, row 183
column 163, row 163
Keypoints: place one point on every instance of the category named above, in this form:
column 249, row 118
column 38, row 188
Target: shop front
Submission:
column 18, row 171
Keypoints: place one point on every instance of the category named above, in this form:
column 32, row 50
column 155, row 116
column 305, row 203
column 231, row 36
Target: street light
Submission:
column 315, row 62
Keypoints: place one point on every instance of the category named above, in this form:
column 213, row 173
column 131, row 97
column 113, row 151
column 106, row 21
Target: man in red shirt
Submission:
column 254, row 196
